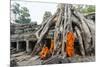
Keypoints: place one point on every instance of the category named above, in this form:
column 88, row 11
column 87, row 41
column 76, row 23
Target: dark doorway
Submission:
column 47, row 42
column 13, row 44
column 22, row 45
column 32, row 44
column 77, row 47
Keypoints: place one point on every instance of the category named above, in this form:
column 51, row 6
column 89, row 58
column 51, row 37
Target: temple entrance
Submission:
column 22, row 46
column 13, row 44
column 31, row 45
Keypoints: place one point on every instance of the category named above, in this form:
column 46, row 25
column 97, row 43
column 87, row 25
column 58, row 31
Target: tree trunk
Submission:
column 70, row 20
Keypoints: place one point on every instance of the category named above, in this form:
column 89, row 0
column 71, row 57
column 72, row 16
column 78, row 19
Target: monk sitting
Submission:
column 44, row 52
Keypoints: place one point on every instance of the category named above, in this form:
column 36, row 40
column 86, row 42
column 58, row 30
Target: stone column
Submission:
column 17, row 45
column 27, row 46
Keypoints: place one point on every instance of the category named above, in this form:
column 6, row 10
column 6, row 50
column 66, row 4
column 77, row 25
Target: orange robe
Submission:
column 44, row 52
column 52, row 46
column 70, row 44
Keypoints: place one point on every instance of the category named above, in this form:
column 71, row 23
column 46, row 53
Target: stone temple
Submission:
column 23, row 36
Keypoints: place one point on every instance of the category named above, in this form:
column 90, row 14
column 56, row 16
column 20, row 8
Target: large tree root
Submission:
column 67, row 20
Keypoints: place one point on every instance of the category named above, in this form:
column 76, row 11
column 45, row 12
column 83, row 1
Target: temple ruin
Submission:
column 64, row 34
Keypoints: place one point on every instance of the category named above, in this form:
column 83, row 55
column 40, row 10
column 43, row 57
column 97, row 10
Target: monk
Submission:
column 70, row 38
column 44, row 52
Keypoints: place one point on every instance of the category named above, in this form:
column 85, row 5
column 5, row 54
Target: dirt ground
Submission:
column 23, row 59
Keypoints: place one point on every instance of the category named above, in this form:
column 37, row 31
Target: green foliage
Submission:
column 91, row 9
column 88, row 9
column 23, row 20
column 47, row 14
column 25, row 12
column 22, row 14
column 15, row 8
